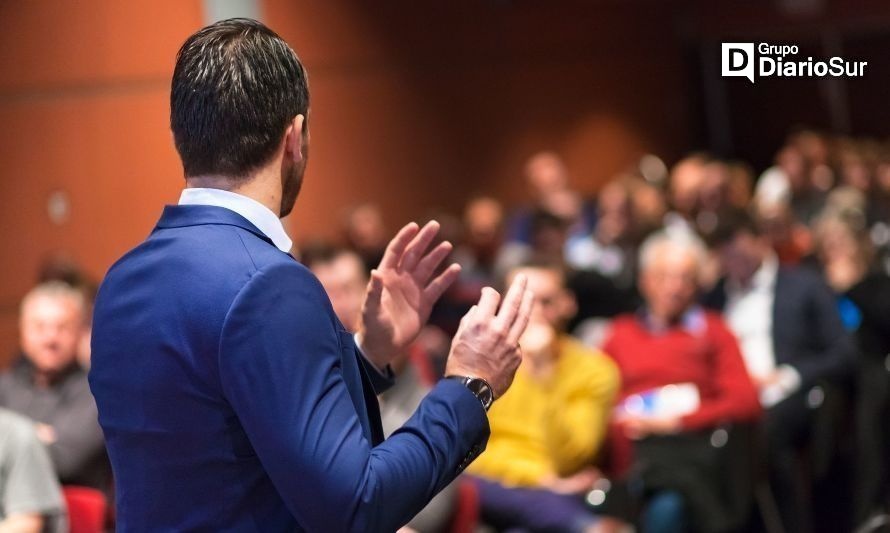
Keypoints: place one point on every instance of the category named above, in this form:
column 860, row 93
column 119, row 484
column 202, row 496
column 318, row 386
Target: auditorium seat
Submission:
column 86, row 509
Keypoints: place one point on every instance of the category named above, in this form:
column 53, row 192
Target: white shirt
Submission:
column 749, row 313
column 256, row 213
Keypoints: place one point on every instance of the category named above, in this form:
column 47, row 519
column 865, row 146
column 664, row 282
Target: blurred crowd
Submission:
column 709, row 351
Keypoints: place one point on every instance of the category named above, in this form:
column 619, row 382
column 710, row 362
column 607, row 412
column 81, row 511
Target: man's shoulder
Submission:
column 215, row 259
column 283, row 276
column 203, row 244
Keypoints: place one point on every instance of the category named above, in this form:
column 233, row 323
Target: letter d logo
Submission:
column 738, row 60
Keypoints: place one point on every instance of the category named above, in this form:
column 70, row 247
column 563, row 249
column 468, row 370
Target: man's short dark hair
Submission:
column 730, row 224
column 236, row 87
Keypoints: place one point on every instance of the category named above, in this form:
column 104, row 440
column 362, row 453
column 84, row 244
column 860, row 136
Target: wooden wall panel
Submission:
column 84, row 89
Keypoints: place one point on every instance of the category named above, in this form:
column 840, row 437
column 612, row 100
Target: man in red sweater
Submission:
column 682, row 377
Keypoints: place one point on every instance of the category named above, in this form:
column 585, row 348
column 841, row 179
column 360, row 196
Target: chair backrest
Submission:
column 466, row 512
column 86, row 509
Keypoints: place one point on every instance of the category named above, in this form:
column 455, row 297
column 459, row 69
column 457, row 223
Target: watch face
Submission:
column 481, row 389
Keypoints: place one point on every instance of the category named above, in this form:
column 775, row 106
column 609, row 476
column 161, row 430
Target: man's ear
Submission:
column 293, row 139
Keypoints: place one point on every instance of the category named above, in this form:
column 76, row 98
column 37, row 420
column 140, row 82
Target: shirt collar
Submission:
column 256, row 213
column 765, row 276
column 692, row 321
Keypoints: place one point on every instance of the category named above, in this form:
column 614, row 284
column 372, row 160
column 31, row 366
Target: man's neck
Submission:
column 47, row 379
column 261, row 186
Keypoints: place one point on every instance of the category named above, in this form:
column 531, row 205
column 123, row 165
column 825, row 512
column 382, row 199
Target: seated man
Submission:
column 30, row 496
column 343, row 276
column 547, row 430
column 682, row 376
column 792, row 338
column 48, row 385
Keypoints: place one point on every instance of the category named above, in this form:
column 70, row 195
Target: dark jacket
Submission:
column 807, row 331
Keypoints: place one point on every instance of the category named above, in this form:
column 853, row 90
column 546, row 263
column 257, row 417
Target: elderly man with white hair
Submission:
column 682, row 377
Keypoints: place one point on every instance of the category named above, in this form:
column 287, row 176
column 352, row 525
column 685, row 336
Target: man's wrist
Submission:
column 478, row 386
column 377, row 362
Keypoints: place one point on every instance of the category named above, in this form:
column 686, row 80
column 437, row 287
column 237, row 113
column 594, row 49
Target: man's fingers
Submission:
column 397, row 245
column 418, row 245
column 522, row 317
column 488, row 302
column 375, row 291
column 438, row 286
column 431, row 261
column 512, row 301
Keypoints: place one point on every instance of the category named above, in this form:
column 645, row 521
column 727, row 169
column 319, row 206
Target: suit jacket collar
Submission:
column 180, row 216
column 256, row 213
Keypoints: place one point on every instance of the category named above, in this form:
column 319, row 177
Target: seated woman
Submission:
column 682, row 377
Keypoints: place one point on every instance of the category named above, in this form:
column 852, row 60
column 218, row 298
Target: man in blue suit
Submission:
column 231, row 397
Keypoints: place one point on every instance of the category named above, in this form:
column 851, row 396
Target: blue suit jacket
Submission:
column 232, row 399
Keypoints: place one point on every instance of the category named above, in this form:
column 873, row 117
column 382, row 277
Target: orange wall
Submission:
column 83, row 109
column 412, row 107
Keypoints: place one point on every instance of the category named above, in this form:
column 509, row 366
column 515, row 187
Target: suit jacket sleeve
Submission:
column 281, row 361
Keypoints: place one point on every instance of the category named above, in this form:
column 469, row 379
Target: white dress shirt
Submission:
column 256, row 213
column 749, row 313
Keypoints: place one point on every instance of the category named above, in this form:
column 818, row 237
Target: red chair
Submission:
column 466, row 514
column 86, row 509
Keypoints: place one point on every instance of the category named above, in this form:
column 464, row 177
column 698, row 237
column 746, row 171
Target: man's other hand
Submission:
column 402, row 291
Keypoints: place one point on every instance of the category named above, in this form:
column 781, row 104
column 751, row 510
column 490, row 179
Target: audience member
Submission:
column 30, row 497
column 684, row 191
column 790, row 182
column 61, row 268
column 483, row 221
column 792, row 340
column 609, row 249
column 741, row 184
column 365, row 233
column 343, row 275
column 47, row 385
column 547, row 430
column 790, row 240
column 845, row 252
column 800, row 271
column 548, row 180
column 682, row 377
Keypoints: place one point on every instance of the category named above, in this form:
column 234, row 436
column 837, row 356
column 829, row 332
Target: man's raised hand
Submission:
column 402, row 291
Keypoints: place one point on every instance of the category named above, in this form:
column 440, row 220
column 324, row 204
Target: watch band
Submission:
column 478, row 386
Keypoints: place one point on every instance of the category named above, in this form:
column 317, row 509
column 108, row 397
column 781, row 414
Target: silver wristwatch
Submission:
column 477, row 386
